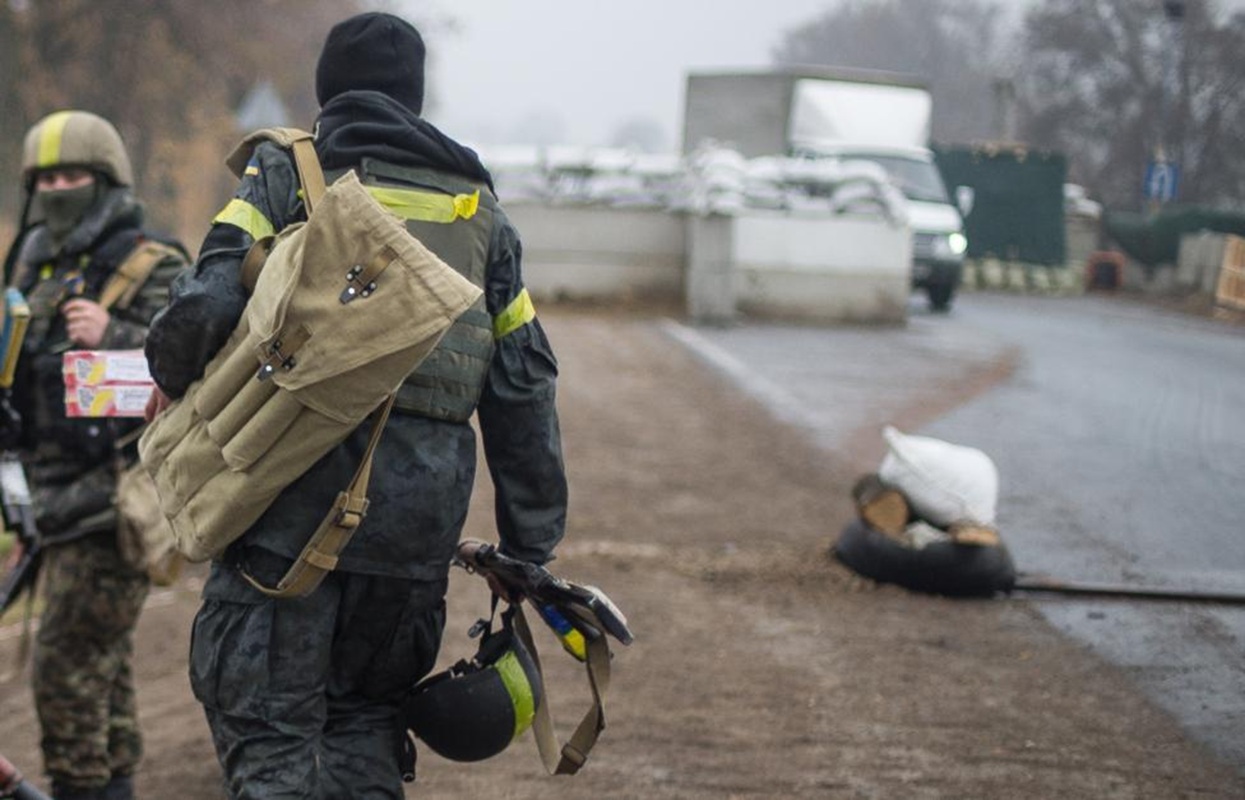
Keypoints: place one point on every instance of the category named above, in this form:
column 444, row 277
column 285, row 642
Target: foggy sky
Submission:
column 577, row 71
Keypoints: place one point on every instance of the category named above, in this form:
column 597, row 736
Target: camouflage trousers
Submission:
column 83, row 683
column 302, row 696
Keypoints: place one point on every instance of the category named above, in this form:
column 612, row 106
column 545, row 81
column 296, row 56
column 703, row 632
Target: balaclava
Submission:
column 374, row 51
column 63, row 209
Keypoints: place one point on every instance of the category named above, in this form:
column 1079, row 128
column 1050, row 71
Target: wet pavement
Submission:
column 1120, row 442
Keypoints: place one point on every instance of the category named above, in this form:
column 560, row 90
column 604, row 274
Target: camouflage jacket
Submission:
column 71, row 460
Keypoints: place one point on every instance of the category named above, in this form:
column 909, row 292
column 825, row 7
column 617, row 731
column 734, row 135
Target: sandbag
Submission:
column 944, row 483
column 303, row 368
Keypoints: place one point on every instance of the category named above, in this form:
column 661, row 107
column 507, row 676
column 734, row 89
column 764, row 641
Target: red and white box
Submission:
column 106, row 383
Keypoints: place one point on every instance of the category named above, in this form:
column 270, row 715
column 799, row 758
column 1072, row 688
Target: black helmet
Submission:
column 475, row 709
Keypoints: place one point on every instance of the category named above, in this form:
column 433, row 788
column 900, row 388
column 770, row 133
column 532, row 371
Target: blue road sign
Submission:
column 1162, row 180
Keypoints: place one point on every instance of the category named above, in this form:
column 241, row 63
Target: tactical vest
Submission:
column 47, row 285
column 453, row 217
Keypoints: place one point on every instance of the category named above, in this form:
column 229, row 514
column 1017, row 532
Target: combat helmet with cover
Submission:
column 76, row 139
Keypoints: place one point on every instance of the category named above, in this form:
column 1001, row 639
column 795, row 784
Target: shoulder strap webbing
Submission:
column 133, row 272
column 253, row 262
column 319, row 555
column 310, row 176
column 300, row 143
column 567, row 759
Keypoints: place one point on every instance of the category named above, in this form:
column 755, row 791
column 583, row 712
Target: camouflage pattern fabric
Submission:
column 83, row 685
column 302, row 696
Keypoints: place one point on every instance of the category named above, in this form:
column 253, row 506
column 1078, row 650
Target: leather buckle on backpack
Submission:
column 356, row 287
column 348, row 517
column 281, row 353
column 361, row 280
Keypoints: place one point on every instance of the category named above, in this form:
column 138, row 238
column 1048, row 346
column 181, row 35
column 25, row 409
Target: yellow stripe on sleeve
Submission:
column 242, row 214
column 515, row 316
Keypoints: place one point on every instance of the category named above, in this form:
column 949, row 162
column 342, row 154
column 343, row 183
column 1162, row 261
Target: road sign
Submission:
column 1162, row 180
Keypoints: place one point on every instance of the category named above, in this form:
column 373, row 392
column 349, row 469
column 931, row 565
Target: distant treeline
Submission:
column 170, row 75
column 1108, row 83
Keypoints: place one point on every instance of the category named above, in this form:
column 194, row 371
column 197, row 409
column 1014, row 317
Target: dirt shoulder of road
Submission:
column 761, row 668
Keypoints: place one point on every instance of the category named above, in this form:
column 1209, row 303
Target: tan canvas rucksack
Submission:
column 345, row 306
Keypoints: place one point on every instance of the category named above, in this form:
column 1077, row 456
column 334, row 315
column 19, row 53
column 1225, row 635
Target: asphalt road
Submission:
column 1120, row 442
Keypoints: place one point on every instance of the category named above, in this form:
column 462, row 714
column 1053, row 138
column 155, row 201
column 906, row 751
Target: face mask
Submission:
column 64, row 208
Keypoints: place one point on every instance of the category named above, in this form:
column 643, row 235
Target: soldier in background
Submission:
column 88, row 225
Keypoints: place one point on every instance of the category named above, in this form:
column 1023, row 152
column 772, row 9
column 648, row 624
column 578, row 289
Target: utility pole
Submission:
column 1163, row 173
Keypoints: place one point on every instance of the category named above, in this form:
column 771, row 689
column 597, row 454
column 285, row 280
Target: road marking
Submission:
column 783, row 405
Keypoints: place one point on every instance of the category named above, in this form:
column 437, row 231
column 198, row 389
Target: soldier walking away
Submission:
column 88, row 224
column 303, row 696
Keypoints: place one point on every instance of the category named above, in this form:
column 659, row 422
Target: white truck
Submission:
column 847, row 116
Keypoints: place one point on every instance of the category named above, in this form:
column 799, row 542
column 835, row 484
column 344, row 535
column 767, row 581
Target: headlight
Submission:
column 946, row 247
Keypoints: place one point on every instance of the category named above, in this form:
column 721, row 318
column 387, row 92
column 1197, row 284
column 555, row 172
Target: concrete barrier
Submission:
column 841, row 268
column 600, row 252
column 763, row 263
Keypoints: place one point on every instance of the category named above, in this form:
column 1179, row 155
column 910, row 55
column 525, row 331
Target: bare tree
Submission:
column 12, row 117
column 169, row 74
column 1111, row 82
column 950, row 44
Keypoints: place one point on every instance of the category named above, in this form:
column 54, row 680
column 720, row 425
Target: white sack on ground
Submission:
column 944, row 483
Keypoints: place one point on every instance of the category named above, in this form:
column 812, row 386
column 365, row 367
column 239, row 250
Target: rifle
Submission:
column 20, row 513
column 13, row 785
column 581, row 616
column 585, row 609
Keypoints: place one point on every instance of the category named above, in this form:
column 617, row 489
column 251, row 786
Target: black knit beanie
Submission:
column 373, row 51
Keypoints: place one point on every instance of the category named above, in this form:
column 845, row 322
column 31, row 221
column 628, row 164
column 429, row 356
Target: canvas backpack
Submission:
column 344, row 306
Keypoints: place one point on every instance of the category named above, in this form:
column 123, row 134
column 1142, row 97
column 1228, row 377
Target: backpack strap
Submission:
column 310, row 174
column 319, row 555
column 129, row 277
column 253, row 262
column 301, row 145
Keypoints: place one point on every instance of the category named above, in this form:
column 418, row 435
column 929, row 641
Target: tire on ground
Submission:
column 943, row 568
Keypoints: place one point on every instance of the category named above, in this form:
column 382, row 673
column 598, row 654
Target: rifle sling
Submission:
column 567, row 759
column 319, row 555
